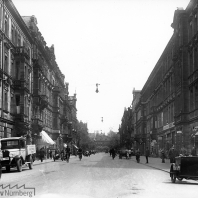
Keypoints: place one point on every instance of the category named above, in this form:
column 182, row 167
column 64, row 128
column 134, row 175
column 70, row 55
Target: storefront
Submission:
column 166, row 137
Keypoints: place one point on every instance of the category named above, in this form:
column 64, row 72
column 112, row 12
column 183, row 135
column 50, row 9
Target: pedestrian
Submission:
column 127, row 153
column 172, row 155
column 42, row 154
column 163, row 156
column 137, row 153
column 194, row 152
column 147, row 154
column 130, row 153
column 50, row 154
column 110, row 152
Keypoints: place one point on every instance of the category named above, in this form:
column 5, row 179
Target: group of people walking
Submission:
column 171, row 154
column 129, row 153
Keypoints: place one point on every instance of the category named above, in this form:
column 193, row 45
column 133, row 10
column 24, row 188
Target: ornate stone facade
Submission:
column 33, row 94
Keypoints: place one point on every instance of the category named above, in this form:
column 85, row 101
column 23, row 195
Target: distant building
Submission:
column 102, row 142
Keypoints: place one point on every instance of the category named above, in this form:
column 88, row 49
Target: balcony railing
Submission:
column 21, row 84
column 23, row 51
column 37, row 121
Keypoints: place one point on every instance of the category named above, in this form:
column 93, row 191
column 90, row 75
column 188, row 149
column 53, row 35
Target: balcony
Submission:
column 55, row 135
column 63, row 119
column 38, row 63
column 22, row 52
column 57, row 89
column 41, row 101
column 20, row 84
column 37, row 124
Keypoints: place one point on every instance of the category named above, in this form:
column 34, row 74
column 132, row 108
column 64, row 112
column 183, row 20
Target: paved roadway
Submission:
column 99, row 176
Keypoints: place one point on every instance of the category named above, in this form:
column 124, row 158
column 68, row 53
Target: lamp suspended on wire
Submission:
column 97, row 87
column 101, row 119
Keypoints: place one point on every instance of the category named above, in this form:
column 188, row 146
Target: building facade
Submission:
column 167, row 112
column 34, row 97
column 16, row 73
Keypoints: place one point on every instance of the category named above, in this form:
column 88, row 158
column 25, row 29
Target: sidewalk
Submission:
column 155, row 163
column 38, row 161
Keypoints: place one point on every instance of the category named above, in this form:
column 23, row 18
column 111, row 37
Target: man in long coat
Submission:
column 172, row 155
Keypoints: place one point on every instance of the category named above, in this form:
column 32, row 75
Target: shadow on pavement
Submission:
column 182, row 182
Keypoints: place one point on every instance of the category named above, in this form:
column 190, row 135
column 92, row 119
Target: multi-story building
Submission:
column 126, row 129
column 34, row 98
column 102, row 142
column 167, row 110
column 16, row 73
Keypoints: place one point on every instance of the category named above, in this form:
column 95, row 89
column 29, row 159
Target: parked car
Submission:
column 16, row 153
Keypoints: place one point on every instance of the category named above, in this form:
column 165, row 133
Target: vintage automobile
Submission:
column 1, row 156
column 122, row 153
column 16, row 153
column 185, row 167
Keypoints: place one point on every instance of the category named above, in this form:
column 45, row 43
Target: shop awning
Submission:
column 46, row 138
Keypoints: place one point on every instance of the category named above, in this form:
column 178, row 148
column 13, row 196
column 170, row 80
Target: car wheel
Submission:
column 173, row 177
column 8, row 169
column 31, row 163
column 19, row 165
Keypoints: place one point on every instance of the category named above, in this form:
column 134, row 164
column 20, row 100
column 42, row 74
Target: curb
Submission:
column 153, row 167
column 38, row 162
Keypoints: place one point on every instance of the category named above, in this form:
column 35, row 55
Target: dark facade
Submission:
column 16, row 73
column 33, row 94
column 167, row 111
column 126, row 129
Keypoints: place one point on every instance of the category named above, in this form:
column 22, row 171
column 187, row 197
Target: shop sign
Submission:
column 168, row 126
column 179, row 132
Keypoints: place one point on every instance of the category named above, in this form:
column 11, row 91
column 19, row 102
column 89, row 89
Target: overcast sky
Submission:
column 115, row 43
